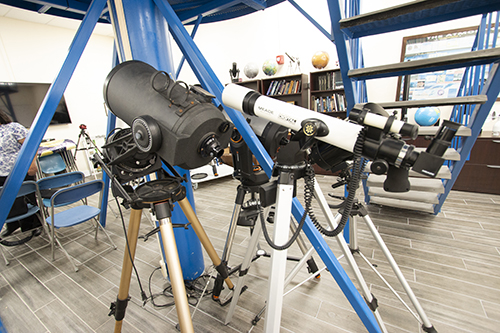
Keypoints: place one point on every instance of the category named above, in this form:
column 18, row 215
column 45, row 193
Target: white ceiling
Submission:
column 30, row 16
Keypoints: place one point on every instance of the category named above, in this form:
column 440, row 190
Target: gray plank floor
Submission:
column 451, row 261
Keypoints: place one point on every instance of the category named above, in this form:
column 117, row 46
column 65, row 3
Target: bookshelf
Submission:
column 290, row 88
column 327, row 96
column 252, row 84
column 327, row 93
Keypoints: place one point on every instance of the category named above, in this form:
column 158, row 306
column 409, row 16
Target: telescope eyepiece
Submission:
column 211, row 147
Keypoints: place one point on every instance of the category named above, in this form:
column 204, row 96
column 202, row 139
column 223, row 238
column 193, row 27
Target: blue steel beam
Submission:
column 193, row 33
column 479, row 115
column 313, row 21
column 342, row 52
column 65, row 8
column 338, row 273
column 110, row 126
column 210, row 82
column 48, row 108
column 206, row 9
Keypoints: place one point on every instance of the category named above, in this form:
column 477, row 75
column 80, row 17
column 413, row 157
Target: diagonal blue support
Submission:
column 313, row 21
column 345, row 62
column 48, row 108
column 337, row 271
column 111, row 125
column 193, row 33
column 209, row 81
column 491, row 89
column 189, row 16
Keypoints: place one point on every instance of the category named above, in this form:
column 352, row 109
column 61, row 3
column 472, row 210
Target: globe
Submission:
column 320, row 59
column 251, row 70
column 270, row 67
column 427, row 116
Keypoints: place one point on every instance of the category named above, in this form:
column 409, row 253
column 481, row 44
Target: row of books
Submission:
column 330, row 81
column 333, row 103
column 283, row 87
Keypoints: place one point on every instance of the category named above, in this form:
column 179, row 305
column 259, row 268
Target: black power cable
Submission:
column 353, row 186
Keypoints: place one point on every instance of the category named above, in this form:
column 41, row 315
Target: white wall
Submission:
column 34, row 52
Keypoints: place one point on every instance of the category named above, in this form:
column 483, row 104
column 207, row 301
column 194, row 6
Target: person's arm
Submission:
column 33, row 168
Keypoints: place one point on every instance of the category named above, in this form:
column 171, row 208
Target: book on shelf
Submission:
column 290, row 88
column 329, row 81
column 283, row 87
column 333, row 103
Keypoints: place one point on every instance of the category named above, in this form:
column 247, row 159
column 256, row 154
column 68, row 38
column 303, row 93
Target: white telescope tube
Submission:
column 341, row 133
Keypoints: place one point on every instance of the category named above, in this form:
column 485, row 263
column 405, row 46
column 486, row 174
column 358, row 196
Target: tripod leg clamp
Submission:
column 117, row 309
column 222, row 270
column 373, row 305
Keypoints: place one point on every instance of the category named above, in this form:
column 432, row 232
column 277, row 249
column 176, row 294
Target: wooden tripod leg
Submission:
column 122, row 299
column 202, row 235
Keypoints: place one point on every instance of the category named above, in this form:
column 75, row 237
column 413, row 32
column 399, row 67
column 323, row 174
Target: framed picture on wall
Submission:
column 441, row 84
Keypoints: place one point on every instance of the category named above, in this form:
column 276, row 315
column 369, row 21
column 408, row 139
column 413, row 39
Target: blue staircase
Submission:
column 479, row 89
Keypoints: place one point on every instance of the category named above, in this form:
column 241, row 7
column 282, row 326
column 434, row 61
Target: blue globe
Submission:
column 270, row 67
column 427, row 116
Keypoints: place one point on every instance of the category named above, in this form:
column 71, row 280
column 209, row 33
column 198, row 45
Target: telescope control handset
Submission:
column 343, row 134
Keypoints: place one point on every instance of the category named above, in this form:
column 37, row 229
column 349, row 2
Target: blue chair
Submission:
column 51, row 164
column 27, row 188
column 75, row 214
column 49, row 185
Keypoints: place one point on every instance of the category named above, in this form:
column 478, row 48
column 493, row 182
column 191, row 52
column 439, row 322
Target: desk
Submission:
column 62, row 147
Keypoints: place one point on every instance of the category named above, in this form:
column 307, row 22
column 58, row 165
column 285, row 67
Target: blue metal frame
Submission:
column 209, row 81
column 145, row 27
column 313, row 21
column 48, row 108
column 472, row 116
column 350, row 87
column 193, row 33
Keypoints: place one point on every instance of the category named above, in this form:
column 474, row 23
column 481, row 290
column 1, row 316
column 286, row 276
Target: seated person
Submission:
column 12, row 135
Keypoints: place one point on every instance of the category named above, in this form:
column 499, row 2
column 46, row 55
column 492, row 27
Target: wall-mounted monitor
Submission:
column 22, row 101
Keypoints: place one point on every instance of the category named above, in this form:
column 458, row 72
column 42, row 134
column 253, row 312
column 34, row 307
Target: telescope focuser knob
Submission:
column 379, row 167
column 146, row 134
column 314, row 127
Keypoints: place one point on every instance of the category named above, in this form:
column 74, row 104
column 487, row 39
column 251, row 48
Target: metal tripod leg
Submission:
column 173, row 262
column 333, row 222
column 427, row 326
column 126, row 274
column 200, row 232
column 276, row 283
column 244, row 270
column 240, row 196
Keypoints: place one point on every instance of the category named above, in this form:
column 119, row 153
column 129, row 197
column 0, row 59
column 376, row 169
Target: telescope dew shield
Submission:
column 191, row 129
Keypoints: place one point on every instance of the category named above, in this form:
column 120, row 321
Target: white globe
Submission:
column 251, row 70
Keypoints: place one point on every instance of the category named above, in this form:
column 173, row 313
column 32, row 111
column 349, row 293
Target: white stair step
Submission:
column 419, row 196
column 432, row 130
column 403, row 204
column 450, row 154
column 444, row 172
column 416, row 184
column 461, row 100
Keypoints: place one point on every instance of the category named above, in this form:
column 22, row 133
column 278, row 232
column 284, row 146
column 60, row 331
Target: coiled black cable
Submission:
column 353, row 186
column 308, row 194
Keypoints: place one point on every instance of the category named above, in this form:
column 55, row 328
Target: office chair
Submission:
column 70, row 216
column 27, row 188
